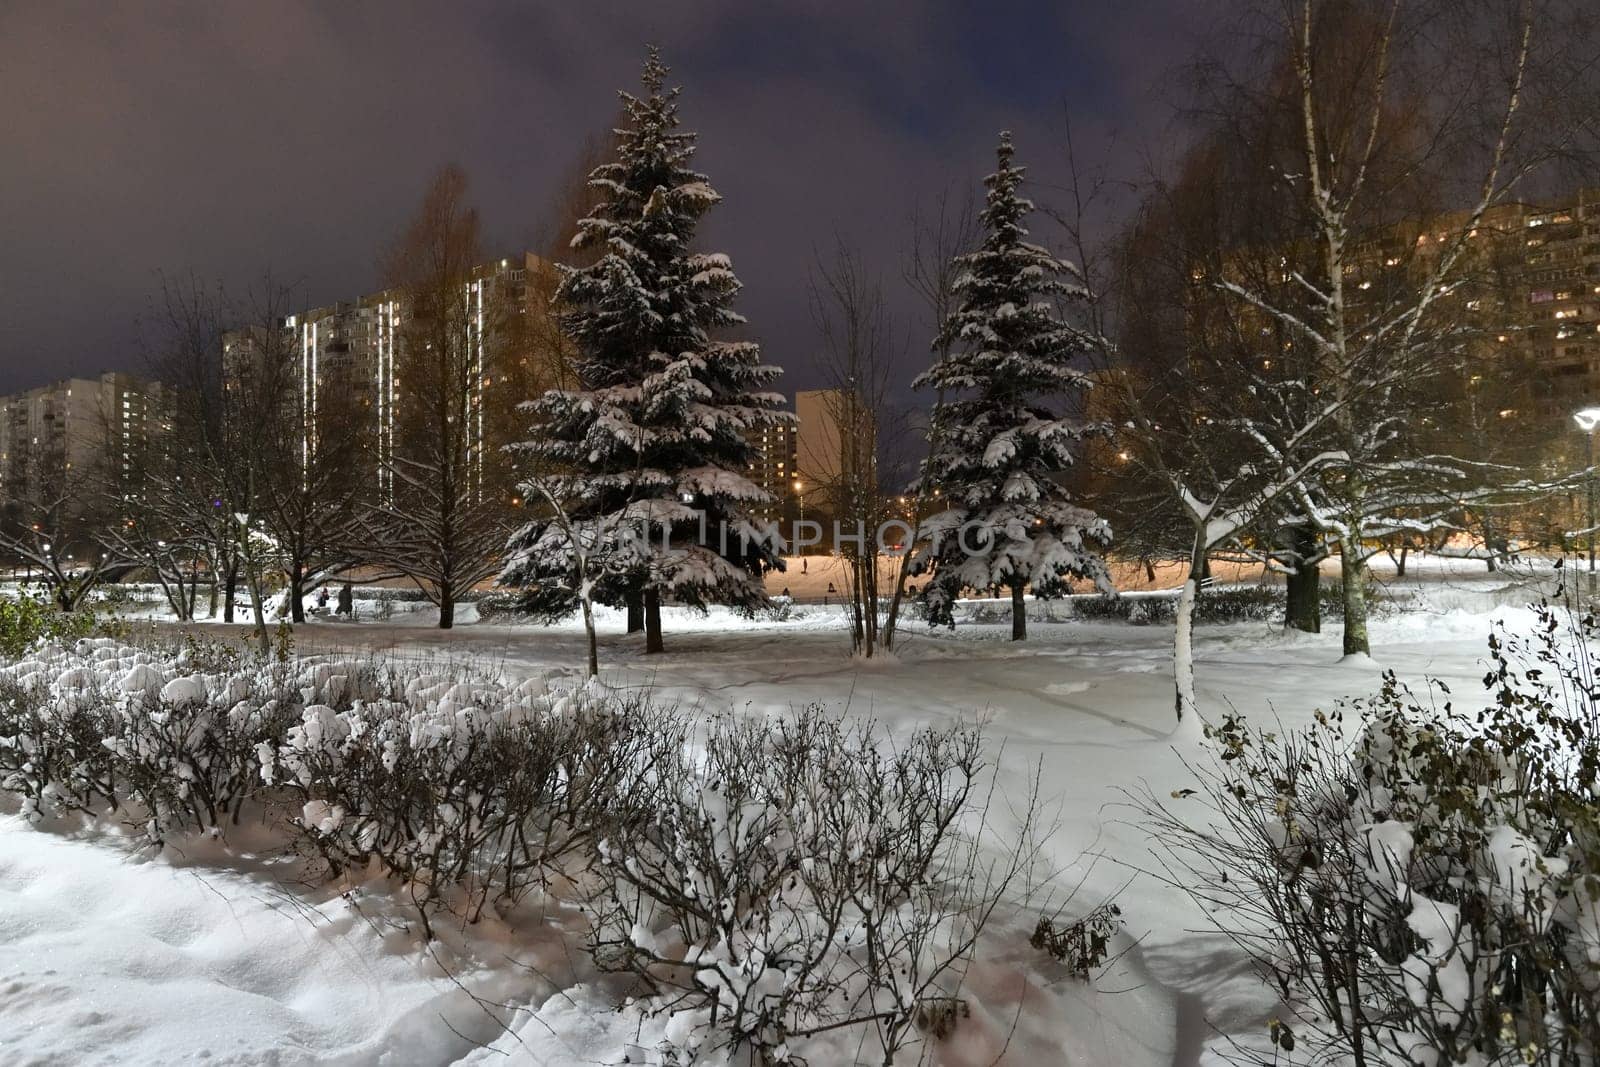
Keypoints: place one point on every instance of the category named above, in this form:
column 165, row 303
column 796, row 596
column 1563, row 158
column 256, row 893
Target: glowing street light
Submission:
column 1588, row 419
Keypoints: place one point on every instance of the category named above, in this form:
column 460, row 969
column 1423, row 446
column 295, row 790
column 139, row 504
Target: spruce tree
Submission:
column 650, row 451
column 1004, row 436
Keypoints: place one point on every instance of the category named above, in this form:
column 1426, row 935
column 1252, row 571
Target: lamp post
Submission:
column 1588, row 419
column 800, row 498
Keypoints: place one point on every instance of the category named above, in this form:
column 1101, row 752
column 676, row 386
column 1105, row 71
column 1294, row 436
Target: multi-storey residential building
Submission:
column 1529, row 297
column 773, row 469
column 1559, row 280
column 1518, row 324
column 353, row 353
column 79, row 445
column 79, row 437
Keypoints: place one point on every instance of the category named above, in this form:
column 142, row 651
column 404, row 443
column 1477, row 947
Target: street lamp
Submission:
column 1588, row 419
column 800, row 498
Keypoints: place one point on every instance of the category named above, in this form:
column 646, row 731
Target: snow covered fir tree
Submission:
column 645, row 461
column 1000, row 430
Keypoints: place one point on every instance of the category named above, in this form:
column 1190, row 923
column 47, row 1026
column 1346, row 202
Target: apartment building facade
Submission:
column 78, row 438
column 1527, row 310
column 56, row 435
column 348, row 360
column 772, row 468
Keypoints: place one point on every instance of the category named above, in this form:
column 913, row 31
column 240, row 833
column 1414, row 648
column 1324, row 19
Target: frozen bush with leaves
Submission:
column 1420, row 883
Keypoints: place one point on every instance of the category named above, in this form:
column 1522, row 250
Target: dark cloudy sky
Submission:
column 227, row 138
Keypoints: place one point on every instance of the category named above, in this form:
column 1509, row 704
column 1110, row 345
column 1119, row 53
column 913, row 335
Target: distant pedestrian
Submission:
column 347, row 599
column 322, row 599
column 804, row 565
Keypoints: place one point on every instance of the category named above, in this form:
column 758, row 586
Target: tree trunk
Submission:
column 174, row 599
column 869, row 599
column 859, row 606
column 1303, row 609
column 635, row 612
column 447, row 607
column 231, row 587
column 1188, row 724
column 1400, row 564
column 1488, row 540
column 259, row 611
column 589, row 636
column 1351, row 571
column 1019, row 614
column 652, row 621
column 297, row 586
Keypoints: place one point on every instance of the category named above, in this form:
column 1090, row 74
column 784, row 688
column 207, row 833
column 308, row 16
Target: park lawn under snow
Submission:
column 219, row 953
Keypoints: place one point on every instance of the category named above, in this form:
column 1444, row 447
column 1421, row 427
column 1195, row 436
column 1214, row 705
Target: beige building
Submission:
column 835, row 445
column 62, row 439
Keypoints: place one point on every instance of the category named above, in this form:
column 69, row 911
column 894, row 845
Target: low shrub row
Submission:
column 1237, row 604
column 767, row 884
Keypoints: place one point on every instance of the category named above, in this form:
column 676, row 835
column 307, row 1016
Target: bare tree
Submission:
column 179, row 519
column 1392, row 105
column 53, row 525
column 1282, row 305
column 563, row 528
column 446, row 518
column 857, row 362
column 289, row 455
column 948, row 228
column 1208, row 439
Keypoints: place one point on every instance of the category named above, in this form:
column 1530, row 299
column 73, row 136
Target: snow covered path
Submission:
column 110, row 957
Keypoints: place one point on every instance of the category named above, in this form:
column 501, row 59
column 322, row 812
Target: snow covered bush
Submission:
column 463, row 787
column 468, row 791
column 1428, row 890
column 51, row 755
column 99, row 726
column 775, row 881
column 1238, row 604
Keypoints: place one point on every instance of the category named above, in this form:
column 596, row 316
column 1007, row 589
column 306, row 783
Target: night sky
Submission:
column 226, row 139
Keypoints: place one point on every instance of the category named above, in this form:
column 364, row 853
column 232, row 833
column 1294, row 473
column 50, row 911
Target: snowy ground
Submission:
column 110, row 956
